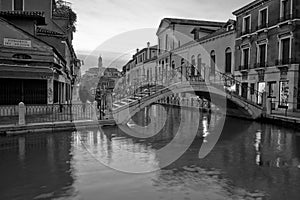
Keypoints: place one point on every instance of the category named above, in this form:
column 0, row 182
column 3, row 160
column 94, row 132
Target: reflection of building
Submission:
column 37, row 61
column 43, row 158
column 267, row 50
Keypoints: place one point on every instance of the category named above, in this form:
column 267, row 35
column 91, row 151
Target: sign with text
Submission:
column 17, row 43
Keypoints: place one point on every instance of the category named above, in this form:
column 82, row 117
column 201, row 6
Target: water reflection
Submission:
column 250, row 161
column 36, row 166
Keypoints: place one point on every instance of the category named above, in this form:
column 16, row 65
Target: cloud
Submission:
column 101, row 20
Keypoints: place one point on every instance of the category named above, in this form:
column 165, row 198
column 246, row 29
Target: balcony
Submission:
column 286, row 17
column 243, row 68
column 262, row 26
column 260, row 65
column 246, row 31
column 287, row 61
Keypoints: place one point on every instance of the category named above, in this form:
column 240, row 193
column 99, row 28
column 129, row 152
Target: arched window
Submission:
column 173, row 64
column 199, row 62
column 162, row 69
column 228, row 60
column 212, row 62
column 166, row 42
column 181, row 66
column 193, row 64
column 182, row 62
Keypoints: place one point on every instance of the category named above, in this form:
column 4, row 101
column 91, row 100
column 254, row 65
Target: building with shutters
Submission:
column 267, row 52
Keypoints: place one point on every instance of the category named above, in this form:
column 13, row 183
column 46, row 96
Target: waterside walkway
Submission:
column 53, row 126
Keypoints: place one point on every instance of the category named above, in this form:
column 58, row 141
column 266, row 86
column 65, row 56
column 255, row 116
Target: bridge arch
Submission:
column 229, row 103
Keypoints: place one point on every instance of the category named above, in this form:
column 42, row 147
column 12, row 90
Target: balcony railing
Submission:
column 243, row 67
column 260, row 65
column 285, row 61
column 286, row 17
column 262, row 26
column 246, row 31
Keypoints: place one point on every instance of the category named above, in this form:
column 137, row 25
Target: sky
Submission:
column 114, row 28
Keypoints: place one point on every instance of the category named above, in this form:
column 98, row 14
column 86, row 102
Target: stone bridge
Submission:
column 228, row 102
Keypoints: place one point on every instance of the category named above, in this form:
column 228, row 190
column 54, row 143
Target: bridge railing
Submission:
column 218, row 79
column 233, row 86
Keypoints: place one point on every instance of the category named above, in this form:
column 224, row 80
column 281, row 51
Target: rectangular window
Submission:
column 252, row 88
column 18, row 5
column 272, row 89
column 262, row 55
column 246, row 56
column 285, row 12
column 285, row 50
column 263, row 18
column 246, row 25
column 261, row 90
column 213, row 64
column 228, row 64
column 245, row 90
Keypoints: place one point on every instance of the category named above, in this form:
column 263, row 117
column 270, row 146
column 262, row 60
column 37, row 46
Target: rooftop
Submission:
column 249, row 6
column 40, row 30
column 37, row 15
column 193, row 22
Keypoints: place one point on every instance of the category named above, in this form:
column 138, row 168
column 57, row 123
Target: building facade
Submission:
column 36, row 36
column 267, row 52
column 174, row 33
column 141, row 68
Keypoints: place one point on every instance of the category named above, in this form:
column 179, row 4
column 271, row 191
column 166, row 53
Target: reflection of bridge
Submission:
column 218, row 90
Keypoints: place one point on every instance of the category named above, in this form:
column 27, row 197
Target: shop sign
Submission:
column 17, row 43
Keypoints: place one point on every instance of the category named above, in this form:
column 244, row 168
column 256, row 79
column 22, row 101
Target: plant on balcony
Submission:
column 63, row 9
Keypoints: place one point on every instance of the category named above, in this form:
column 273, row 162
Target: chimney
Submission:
column 148, row 51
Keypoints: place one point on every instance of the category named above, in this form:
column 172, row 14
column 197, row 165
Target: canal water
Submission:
column 249, row 161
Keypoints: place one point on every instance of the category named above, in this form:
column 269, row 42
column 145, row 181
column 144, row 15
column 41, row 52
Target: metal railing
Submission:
column 58, row 112
column 288, row 109
column 285, row 61
column 219, row 79
column 48, row 113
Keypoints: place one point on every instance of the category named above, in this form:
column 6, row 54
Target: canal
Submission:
column 249, row 161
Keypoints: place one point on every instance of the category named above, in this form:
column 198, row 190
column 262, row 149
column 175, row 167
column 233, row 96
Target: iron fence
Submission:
column 288, row 109
column 58, row 112
column 47, row 113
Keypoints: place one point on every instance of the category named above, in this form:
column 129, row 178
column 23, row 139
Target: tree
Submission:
column 64, row 7
column 83, row 94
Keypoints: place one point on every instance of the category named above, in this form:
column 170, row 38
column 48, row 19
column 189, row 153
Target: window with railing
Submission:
column 262, row 56
column 285, row 51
